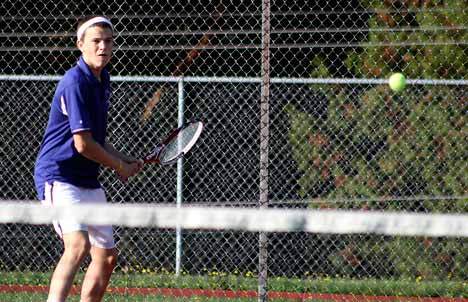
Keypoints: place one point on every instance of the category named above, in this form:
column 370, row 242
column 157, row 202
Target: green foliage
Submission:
column 384, row 145
column 437, row 259
column 399, row 30
column 421, row 133
column 374, row 144
column 402, row 258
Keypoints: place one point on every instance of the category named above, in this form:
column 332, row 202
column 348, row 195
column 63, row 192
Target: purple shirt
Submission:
column 80, row 103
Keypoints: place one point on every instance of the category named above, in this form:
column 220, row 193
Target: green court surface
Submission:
column 28, row 297
column 217, row 286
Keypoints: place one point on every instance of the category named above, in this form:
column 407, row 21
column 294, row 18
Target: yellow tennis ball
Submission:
column 397, row 82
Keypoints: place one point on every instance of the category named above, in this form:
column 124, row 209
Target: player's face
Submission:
column 96, row 47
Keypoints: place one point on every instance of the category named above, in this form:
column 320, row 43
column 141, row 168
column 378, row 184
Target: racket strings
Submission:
column 181, row 143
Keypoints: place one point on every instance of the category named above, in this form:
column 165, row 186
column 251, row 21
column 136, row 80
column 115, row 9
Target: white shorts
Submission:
column 62, row 194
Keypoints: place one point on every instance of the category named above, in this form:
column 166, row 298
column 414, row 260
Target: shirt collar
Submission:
column 87, row 71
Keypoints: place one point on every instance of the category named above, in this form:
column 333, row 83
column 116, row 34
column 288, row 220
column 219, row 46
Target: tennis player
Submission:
column 73, row 148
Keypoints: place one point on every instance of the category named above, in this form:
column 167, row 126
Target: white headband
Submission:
column 90, row 22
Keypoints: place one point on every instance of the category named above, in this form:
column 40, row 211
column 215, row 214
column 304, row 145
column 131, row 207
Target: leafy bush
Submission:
column 377, row 150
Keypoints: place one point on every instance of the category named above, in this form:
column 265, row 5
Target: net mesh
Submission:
column 338, row 138
column 313, row 254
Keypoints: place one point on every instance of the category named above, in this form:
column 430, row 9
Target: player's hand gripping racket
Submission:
column 176, row 144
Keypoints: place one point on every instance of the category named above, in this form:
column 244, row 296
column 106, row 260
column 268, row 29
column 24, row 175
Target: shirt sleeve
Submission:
column 73, row 104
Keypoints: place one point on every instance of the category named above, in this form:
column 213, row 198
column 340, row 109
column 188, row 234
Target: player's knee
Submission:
column 111, row 260
column 76, row 250
column 108, row 260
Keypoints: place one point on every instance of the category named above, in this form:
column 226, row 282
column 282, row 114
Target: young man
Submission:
column 72, row 150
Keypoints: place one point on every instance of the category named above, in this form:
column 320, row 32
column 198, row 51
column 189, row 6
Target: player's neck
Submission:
column 95, row 71
column 97, row 74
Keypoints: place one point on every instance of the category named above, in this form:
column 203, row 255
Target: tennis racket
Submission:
column 176, row 144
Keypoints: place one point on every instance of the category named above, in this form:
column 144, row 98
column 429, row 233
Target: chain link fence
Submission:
column 338, row 136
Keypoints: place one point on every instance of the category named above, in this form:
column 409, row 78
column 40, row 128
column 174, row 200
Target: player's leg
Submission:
column 103, row 255
column 75, row 239
column 98, row 274
column 77, row 246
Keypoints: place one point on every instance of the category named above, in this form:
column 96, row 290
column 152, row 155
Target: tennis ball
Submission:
column 397, row 82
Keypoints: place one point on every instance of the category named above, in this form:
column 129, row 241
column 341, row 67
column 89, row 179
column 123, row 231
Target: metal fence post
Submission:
column 180, row 174
column 264, row 145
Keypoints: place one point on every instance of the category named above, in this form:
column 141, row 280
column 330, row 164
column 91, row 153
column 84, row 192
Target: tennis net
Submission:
column 312, row 255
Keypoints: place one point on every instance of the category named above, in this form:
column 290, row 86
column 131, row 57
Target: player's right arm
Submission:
column 89, row 148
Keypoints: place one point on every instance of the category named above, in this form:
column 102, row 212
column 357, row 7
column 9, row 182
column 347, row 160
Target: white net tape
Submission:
column 245, row 219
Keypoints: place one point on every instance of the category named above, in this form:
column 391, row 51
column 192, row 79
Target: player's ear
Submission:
column 79, row 44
